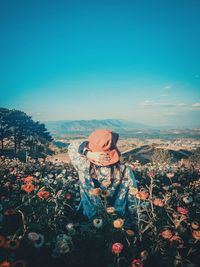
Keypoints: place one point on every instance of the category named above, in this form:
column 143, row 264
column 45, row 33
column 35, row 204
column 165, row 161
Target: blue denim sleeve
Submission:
column 82, row 147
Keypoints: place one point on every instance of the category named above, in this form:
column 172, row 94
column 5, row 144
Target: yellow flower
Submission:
column 118, row 223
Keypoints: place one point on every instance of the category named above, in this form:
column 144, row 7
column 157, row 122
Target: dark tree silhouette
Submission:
column 22, row 130
column 4, row 126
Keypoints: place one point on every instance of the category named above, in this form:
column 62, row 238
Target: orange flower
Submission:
column 106, row 183
column 95, row 192
column 43, row 194
column 195, row 225
column 118, row 223
column 166, row 234
column 196, row 234
column 28, row 179
column 133, row 191
column 5, row 264
column 28, row 187
column 158, row 202
column 2, row 241
column 142, row 194
column 12, row 244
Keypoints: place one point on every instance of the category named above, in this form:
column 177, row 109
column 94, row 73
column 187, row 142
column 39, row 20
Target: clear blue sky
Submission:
column 137, row 60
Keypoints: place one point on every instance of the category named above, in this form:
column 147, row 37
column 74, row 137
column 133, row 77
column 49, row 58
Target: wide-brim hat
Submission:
column 102, row 140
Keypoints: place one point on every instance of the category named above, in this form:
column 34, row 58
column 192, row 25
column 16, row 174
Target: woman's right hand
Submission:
column 98, row 156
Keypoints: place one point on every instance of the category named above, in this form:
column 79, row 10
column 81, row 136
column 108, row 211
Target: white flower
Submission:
column 33, row 236
column 98, row 223
column 51, row 181
column 187, row 199
column 70, row 178
column 70, row 226
column 37, row 174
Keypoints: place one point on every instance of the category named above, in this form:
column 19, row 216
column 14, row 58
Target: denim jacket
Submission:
column 118, row 189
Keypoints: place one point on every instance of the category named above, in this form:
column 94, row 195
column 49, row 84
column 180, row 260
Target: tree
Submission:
column 4, row 126
column 26, row 132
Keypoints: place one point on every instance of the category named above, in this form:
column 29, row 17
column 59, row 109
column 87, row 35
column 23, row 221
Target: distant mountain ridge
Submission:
column 68, row 126
column 124, row 127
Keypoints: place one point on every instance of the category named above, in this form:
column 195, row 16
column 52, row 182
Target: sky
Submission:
column 137, row 60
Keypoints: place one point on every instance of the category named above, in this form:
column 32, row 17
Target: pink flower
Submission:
column 68, row 196
column 158, row 202
column 176, row 240
column 183, row 211
column 166, row 234
column 170, row 175
column 117, row 248
column 152, row 174
column 137, row 263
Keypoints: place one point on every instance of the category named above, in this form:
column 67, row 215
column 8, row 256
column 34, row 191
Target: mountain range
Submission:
column 69, row 126
column 124, row 127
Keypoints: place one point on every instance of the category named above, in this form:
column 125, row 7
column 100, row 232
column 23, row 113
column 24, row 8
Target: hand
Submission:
column 98, row 156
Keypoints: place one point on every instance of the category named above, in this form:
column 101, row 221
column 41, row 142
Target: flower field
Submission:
column 39, row 225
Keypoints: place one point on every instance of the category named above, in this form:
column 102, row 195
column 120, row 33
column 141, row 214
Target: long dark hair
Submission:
column 114, row 168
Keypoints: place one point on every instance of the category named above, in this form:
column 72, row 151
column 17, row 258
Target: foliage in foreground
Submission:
column 40, row 225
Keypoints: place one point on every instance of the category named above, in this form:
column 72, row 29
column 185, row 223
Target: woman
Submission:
column 104, row 181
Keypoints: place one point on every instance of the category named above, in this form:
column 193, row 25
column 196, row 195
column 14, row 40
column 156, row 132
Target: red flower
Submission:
column 117, row 248
column 166, row 234
column 28, row 179
column 137, row 263
column 5, row 264
column 183, row 211
column 28, row 187
column 43, row 194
